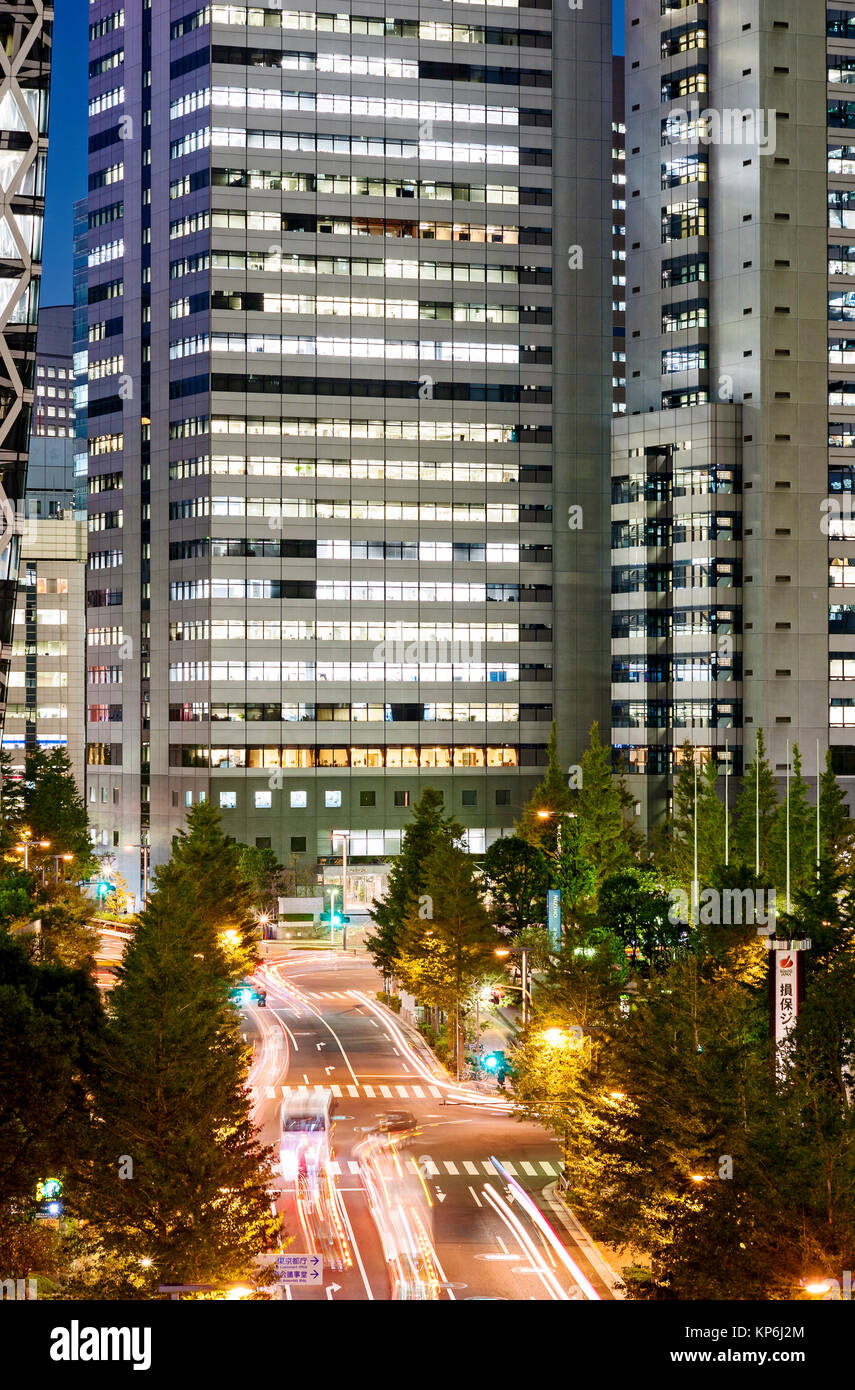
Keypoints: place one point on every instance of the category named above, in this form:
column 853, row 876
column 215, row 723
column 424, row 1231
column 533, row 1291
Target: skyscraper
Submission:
column 348, row 411
column 25, row 53
column 736, row 434
column 46, row 689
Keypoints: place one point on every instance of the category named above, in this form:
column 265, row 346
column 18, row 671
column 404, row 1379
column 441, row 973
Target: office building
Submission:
column 731, row 473
column 349, row 396
column 26, row 32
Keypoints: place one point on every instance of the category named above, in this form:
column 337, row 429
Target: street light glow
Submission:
column 556, row 1037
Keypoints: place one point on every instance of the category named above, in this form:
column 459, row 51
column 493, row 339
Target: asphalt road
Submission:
column 478, row 1234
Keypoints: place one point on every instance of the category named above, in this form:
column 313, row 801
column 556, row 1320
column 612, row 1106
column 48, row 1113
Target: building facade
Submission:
column 348, row 415
column 46, row 701
column 730, row 532
column 26, row 32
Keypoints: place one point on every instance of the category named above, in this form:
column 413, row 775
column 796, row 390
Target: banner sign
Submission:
column 553, row 918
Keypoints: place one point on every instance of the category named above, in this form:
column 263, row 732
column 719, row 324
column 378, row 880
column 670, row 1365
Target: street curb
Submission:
column 586, row 1242
column 418, row 1041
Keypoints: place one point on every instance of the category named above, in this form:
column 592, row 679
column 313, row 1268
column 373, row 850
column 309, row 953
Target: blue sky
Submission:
column 68, row 145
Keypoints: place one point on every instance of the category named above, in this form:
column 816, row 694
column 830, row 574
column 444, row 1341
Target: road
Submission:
column 438, row 1207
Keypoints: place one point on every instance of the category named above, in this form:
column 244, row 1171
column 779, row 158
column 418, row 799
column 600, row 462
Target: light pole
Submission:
column 144, row 849
column 502, row 952
column 24, row 847
column 344, row 836
column 56, row 861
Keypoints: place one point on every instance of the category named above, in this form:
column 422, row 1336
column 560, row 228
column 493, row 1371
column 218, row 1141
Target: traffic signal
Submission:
column 102, row 888
column 494, row 1061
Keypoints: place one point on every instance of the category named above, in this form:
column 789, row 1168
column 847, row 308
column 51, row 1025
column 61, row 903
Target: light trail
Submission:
column 536, row 1216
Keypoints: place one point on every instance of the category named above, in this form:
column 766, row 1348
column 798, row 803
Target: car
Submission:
column 399, row 1125
column 247, row 993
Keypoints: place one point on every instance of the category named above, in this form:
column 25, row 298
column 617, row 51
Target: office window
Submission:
column 188, row 798
column 263, row 800
column 469, row 798
column 367, row 798
column 402, row 798
column 332, row 798
column 503, row 797
column 298, row 844
column 262, row 842
column 298, row 800
column 228, row 801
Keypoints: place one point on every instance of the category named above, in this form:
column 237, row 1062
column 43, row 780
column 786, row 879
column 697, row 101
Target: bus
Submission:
column 305, row 1138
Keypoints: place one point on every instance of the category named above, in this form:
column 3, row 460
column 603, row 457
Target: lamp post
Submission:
column 502, row 952
column 344, row 836
column 56, row 862
column 144, row 850
column 24, row 847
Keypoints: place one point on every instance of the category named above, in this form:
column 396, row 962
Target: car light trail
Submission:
column 536, row 1216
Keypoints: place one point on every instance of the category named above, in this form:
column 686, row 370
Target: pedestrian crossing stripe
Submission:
column 360, row 1092
column 446, row 1168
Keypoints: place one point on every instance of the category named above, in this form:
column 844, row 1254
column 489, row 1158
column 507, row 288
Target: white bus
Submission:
column 305, row 1142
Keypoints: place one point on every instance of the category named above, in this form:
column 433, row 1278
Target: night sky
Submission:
column 68, row 145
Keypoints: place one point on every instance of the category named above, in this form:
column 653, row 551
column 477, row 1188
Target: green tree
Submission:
column 797, row 814
column 516, row 877
column 170, row 1094
column 572, row 870
column 209, row 863
column 448, row 944
column 756, row 805
column 635, row 909
column 601, row 805
column 265, row 877
column 836, row 827
column 53, row 808
column 11, row 802
column 547, row 803
column 65, row 935
column 407, row 876
column 695, row 787
column 50, row 1023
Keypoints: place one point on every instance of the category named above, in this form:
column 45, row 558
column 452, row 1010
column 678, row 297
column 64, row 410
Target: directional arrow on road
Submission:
column 440, row 1196
column 332, row 1289
column 320, row 1045
column 328, row 1070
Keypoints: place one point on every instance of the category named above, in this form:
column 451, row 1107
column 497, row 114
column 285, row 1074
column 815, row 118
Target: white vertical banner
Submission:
column 785, row 999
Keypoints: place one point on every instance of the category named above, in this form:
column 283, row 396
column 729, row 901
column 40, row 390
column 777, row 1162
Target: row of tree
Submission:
column 139, row 1108
column 715, row 1167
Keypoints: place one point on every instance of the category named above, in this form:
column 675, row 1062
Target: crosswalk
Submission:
column 360, row 1092
column 462, row 1168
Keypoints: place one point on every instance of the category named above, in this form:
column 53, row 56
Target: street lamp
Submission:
column 503, row 952
column 56, row 862
column 26, row 842
column 144, row 849
column 344, row 836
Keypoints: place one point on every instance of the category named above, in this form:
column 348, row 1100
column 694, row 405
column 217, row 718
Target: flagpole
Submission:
column 788, row 824
column 695, row 859
column 726, row 804
column 757, row 808
column 817, row 808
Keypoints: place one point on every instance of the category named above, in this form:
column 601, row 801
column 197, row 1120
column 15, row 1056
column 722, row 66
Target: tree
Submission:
column 795, row 819
column 265, row 877
column 516, row 877
column 65, row 935
column 448, row 944
column 209, row 863
column 836, row 827
column 634, row 908
column 572, row 871
column 548, row 802
column 170, row 1093
column 53, row 808
column 695, row 798
column 406, row 883
column 50, row 1024
column 756, row 806
column 11, row 802
column 600, row 806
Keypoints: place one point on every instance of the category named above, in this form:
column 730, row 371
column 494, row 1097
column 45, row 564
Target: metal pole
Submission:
column 695, row 858
column 817, row 808
column 757, row 808
column 726, row 804
column 524, row 986
column 788, row 824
